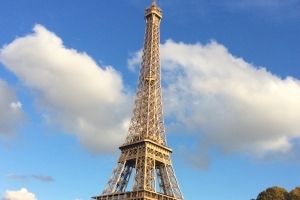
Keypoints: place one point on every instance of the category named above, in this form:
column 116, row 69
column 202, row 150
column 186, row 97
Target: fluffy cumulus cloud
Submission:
column 228, row 103
column 223, row 101
column 22, row 194
column 71, row 90
column 11, row 112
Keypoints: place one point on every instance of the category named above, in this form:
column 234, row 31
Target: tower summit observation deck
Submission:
column 145, row 154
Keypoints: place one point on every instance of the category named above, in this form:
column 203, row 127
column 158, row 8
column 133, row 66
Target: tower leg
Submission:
column 114, row 180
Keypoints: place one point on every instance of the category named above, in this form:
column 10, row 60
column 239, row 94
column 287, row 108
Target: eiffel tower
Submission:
column 145, row 154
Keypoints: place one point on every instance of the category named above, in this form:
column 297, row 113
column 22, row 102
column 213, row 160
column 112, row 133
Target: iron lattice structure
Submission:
column 145, row 153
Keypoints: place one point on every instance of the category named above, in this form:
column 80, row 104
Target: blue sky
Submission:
column 231, row 92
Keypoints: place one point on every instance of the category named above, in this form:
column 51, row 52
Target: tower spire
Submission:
column 145, row 154
column 147, row 119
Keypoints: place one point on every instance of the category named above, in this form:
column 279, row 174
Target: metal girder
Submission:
column 145, row 153
column 147, row 118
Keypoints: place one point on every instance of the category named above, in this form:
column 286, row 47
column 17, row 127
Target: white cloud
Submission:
column 11, row 113
column 134, row 60
column 22, row 194
column 224, row 101
column 71, row 90
column 16, row 105
column 228, row 103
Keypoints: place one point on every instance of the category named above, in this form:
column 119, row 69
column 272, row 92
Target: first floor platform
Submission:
column 135, row 195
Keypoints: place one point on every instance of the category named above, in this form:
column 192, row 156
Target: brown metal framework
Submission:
column 145, row 153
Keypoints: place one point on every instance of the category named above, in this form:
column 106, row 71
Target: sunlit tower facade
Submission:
column 144, row 170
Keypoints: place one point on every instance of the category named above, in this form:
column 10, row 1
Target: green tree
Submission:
column 294, row 194
column 273, row 193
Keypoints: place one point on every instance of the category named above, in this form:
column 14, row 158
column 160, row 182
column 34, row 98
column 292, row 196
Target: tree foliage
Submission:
column 294, row 194
column 274, row 193
column 279, row 193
